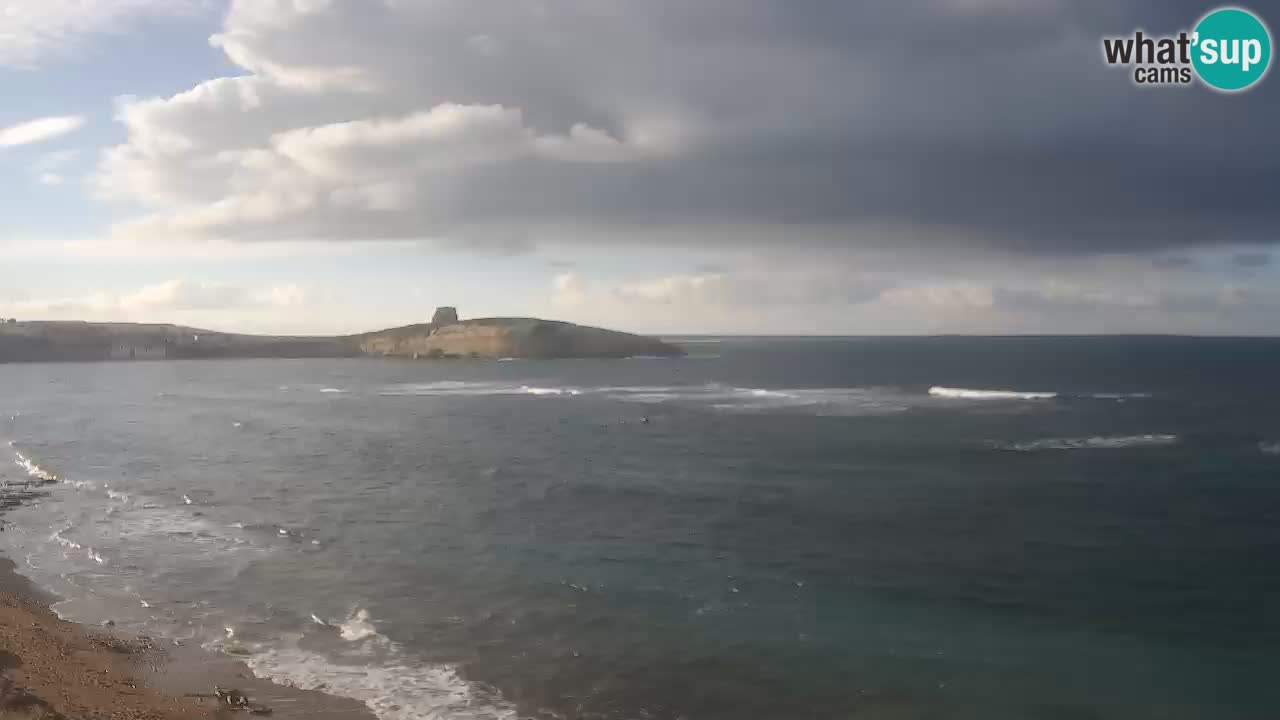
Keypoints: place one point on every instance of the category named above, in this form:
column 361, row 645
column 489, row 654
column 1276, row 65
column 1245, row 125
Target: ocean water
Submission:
column 951, row 528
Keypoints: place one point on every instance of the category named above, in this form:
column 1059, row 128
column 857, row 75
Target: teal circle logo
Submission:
column 1232, row 49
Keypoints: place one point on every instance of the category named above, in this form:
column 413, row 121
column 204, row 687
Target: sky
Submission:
column 657, row 166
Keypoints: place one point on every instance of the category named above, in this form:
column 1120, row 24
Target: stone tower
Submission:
column 445, row 316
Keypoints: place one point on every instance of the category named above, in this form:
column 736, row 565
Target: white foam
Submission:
column 817, row 401
column 453, row 387
column 358, row 627
column 970, row 394
column 396, row 690
column 756, row 392
column 715, row 396
column 33, row 470
column 196, row 534
column 1270, row 448
column 332, row 391
column 65, row 543
column 1094, row 443
column 550, row 390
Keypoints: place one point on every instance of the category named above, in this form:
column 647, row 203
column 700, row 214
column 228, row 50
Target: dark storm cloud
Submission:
column 1252, row 260
column 981, row 123
column 1173, row 262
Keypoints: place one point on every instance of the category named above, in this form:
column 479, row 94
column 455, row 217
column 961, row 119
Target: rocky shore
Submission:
column 52, row 669
column 56, row 669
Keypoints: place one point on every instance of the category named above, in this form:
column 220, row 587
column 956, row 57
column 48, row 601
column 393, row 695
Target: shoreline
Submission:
column 53, row 668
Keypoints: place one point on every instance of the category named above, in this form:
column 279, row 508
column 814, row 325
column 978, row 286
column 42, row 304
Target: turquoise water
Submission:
column 810, row 528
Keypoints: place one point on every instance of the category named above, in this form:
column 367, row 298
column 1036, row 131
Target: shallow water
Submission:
column 884, row 528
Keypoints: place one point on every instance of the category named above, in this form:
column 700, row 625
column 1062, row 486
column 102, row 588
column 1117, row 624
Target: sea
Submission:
column 1039, row 528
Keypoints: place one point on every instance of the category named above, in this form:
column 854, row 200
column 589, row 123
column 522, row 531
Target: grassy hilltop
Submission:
column 446, row 336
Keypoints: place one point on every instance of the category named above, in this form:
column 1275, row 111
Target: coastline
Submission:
column 53, row 668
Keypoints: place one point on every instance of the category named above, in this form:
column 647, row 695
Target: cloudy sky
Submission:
column 664, row 166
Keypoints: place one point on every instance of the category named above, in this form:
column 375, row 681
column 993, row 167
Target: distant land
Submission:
column 444, row 337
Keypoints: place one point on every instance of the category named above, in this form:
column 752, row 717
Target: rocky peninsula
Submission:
column 446, row 336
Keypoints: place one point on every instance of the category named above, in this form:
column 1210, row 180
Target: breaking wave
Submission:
column 1272, row 448
column 33, row 470
column 970, row 394
column 395, row 690
column 358, row 627
column 1093, row 443
column 715, row 396
column 454, row 387
column 393, row 685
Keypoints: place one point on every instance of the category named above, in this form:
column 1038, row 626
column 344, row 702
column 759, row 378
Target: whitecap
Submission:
column 757, row 392
column 454, row 387
column 332, row 391
column 1118, row 442
column 550, row 390
column 64, row 542
column 358, row 627
column 971, row 394
column 33, row 470
column 1270, row 448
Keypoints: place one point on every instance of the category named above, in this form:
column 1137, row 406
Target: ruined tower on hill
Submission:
column 445, row 316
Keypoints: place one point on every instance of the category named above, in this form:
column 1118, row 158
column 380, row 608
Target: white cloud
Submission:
column 319, row 181
column 153, row 301
column 797, row 295
column 284, row 296
column 949, row 297
column 33, row 30
column 676, row 289
column 39, row 130
column 569, row 290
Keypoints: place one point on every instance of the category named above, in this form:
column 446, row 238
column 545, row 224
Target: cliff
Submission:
column 86, row 342
column 448, row 337
column 511, row 337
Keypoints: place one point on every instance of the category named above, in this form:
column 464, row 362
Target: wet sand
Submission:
column 51, row 668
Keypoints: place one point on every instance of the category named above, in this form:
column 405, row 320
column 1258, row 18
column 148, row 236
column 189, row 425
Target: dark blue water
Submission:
column 768, row 529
